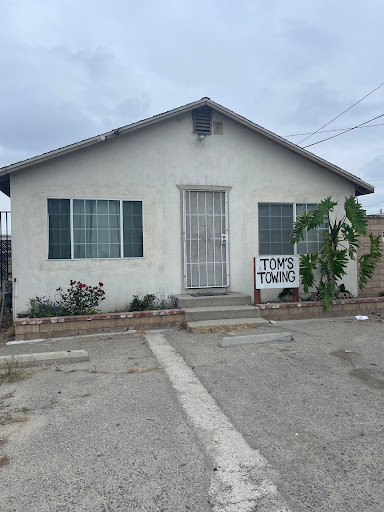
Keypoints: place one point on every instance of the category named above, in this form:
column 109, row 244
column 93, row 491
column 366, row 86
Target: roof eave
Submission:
column 361, row 187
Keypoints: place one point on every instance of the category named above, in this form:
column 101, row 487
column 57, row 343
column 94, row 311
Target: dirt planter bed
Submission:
column 35, row 328
column 301, row 310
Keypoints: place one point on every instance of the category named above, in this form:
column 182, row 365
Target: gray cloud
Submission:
column 72, row 70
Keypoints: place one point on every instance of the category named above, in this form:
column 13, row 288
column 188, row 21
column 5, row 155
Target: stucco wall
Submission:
column 149, row 164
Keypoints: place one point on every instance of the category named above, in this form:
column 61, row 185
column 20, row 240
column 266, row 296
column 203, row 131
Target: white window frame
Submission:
column 294, row 217
column 121, row 201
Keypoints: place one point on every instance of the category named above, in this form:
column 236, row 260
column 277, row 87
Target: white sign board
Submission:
column 277, row 272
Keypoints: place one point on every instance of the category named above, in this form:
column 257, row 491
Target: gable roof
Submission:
column 361, row 187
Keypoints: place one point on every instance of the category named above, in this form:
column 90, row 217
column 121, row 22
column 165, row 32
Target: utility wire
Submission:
column 349, row 108
column 337, row 135
column 328, row 131
column 376, row 204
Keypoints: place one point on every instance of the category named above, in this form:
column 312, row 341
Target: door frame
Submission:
column 203, row 188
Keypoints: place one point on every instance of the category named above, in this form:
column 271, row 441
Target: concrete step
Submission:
column 230, row 299
column 221, row 312
column 225, row 324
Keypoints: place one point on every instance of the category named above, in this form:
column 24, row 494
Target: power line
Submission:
column 328, row 131
column 349, row 108
column 370, row 205
column 337, row 135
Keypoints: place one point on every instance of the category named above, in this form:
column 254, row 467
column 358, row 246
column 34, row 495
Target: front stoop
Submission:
column 216, row 312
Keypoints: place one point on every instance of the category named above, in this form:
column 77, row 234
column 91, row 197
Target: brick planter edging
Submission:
column 53, row 327
column 340, row 307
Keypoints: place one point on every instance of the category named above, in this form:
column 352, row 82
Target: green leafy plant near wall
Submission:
column 340, row 245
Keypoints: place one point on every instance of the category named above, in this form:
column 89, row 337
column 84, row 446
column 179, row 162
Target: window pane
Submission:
column 59, row 243
column 137, row 221
column 276, row 228
column 137, row 250
column 287, row 249
column 265, row 236
column 133, row 238
column 302, row 248
column 79, row 236
column 264, row 223
column 91, row 251
column 92, row 234
column 103, row 251
column 114, row 236
column 264, row 210
column 275, row 210
column 313, row 240
column 103, row 236
column 286, row 236
column 90, row 206
column 78, row 206
column 136, row 207
column 53, row 206
column 264, row 248
column 54, row 221
column 114, row 207
column 287, row 223
column 79, row 250
column 102, row 221
column 312, row 236
column 286, row 210
column 102, row 207
column 114, row 221
column 114, row 251
column 276, row 248
column 78, row 221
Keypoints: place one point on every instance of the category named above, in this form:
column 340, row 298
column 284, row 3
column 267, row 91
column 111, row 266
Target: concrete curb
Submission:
column 21, row 360
column 238, row 341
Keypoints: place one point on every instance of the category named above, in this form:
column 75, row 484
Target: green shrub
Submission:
column 151, row 302
column 79, row 299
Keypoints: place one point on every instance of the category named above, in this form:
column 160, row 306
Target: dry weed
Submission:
column 140, row 369
column 20, row 419
column 10, row 331
column 4, row 460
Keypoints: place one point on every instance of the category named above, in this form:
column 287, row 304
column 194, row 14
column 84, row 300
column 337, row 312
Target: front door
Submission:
column 205, row 229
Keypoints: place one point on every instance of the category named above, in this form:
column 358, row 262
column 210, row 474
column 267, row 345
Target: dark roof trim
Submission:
column 361, row 187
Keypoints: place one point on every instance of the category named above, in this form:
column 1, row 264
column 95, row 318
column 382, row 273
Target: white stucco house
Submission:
column 183, row 200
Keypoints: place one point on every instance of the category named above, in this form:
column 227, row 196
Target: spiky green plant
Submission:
column 340, row 244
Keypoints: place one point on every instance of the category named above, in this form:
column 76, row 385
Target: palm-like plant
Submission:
column 340, row 244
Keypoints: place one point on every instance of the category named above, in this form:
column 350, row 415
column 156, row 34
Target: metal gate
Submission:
column 205, row 230
column 5, row 250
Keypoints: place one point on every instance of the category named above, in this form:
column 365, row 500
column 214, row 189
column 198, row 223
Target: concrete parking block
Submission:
column 237, row 341
column 69, row 356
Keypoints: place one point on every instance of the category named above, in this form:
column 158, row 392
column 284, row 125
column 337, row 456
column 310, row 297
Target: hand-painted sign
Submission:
column 277, row 272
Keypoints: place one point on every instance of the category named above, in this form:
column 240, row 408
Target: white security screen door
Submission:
column 205, row 227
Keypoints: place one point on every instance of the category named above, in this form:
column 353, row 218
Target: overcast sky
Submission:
column 71, row 69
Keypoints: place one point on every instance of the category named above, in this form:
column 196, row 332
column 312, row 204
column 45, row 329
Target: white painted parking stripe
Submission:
column 243, row 481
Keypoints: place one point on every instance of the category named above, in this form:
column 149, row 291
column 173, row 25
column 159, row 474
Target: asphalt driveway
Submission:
column 122, row 432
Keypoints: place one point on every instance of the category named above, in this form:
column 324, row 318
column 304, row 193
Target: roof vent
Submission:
column 202, row 120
